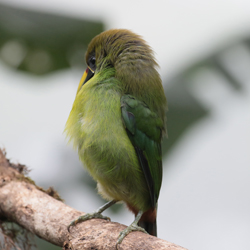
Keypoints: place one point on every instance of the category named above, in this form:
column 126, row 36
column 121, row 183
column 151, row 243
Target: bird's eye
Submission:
column 92, row 62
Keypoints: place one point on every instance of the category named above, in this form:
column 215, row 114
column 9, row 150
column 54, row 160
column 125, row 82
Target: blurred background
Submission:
column 203, row 49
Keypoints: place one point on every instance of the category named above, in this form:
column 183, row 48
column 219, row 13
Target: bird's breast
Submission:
column 95, row 125
column 103, row 143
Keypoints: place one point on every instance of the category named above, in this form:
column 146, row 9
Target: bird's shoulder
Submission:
column 138, row 116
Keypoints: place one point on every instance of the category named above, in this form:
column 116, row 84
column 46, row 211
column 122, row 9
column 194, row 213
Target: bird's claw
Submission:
column 88, row 216
column 72, row 223
column 126, row 231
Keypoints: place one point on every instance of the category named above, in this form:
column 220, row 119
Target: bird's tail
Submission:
column 148, row 221
column 150, row 227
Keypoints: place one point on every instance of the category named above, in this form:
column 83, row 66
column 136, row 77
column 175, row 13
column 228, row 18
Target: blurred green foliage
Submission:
column 44, row 245
column 40, row 43
column 185, row 107
column 183, row 111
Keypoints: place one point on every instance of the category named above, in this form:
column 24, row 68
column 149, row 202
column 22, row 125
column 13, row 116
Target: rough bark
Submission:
column 22, row 202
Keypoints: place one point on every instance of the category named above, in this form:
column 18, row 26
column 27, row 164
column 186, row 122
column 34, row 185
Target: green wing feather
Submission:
column 144, row 129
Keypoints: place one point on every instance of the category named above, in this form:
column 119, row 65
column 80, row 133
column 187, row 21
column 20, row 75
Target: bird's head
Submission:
column 132, row 62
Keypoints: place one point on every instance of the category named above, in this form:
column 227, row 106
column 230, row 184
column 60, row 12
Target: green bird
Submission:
column 117, row 123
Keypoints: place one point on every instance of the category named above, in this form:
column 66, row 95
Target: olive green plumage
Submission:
column 135, row 66
column 118, row 119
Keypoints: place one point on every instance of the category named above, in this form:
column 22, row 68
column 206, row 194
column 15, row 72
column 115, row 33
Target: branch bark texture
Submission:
column 22, row 202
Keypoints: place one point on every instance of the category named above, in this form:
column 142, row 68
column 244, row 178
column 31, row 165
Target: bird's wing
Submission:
column 144, row 129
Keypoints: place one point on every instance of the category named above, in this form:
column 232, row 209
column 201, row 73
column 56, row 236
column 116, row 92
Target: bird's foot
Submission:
column 126, row 231
column 95, row 215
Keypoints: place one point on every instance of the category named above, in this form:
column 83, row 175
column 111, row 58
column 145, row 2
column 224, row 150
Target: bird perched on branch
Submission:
column 117, row 123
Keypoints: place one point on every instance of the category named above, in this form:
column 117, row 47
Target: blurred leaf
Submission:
column 40, row 42
column 42, row 245
column 183, row 111
column 13, row 236
column 231, row 62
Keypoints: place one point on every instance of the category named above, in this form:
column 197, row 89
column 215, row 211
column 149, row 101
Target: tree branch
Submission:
column 22, row 202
